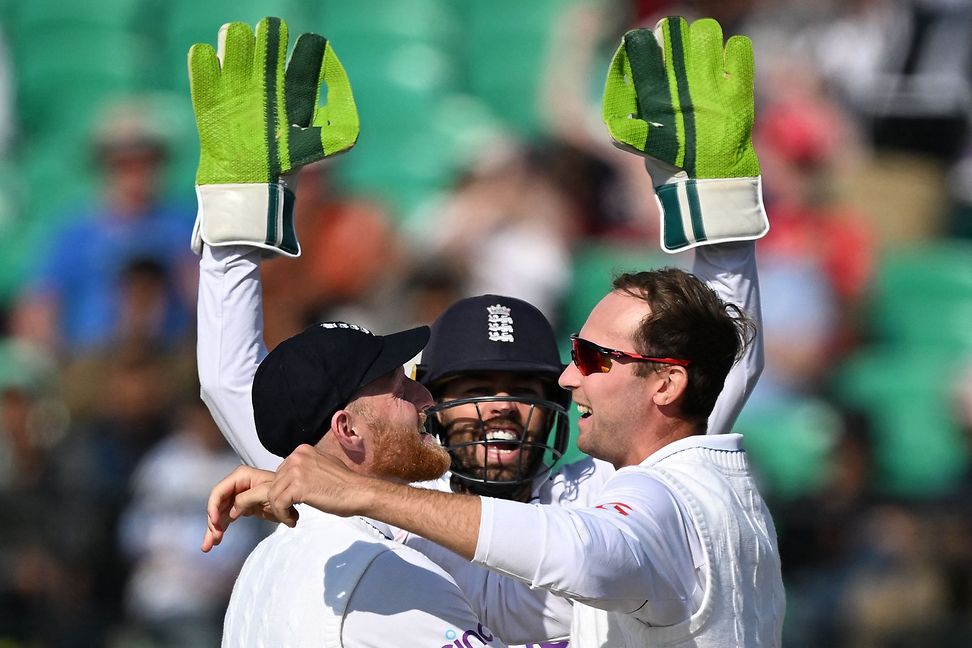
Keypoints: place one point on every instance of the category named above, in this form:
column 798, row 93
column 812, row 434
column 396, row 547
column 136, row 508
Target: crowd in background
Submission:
column 861, row 424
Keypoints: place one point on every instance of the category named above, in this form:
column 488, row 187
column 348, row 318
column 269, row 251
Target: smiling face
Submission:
column 617, row 408
column 393, row 411
column 496, row 440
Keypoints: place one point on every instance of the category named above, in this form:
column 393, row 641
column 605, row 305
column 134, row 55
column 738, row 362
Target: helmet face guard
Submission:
column 499, row 455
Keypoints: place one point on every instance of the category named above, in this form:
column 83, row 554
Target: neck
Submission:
column 672, row 430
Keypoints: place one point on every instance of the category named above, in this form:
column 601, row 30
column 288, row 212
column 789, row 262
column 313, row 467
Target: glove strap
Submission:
column 260, row 215
column 704, row 212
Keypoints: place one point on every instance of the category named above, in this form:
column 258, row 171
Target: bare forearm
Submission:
column 447, row 519
column 322, row 480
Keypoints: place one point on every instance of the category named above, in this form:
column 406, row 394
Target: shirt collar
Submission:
column 730, row 442
column 378, row 526
column 310, row 515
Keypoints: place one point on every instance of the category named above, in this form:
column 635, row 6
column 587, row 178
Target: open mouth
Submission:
column 584, row 410
column 496, row 440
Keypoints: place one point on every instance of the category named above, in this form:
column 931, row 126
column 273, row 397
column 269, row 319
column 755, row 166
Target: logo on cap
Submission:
column 500, row 323
column 345, row 325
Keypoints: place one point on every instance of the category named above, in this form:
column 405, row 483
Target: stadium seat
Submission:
column 116, row 14
column 594, row 265
column 432, row 21
column 64, row 74
column 923, row 297
column 504, row 47
column 790, row 445
column 905, row 392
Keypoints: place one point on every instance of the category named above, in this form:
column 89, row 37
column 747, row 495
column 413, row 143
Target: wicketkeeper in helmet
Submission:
column 492, row 365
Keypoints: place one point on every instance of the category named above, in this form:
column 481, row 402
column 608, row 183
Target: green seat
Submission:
column 790, row 446
column 121, row 14
column 594, row 266
column 505, row 71
column 431, row 21
column 922, row 297
column 179, row 25
column 55, row 90
column 918, row 445
column 505, row 44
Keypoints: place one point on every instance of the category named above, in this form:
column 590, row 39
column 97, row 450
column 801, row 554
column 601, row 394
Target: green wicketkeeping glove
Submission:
column 258, row 125
column 680, row 99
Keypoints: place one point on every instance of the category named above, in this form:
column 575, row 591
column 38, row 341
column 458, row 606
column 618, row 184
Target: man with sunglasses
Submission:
column 677, row 548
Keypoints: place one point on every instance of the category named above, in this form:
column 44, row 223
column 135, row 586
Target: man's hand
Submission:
column 685, row 102
column 243, row 492
column 311, row 477
column 322, row 481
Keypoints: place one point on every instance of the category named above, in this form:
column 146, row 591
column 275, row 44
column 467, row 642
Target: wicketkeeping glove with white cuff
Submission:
column 684, row 101
column 259, row 121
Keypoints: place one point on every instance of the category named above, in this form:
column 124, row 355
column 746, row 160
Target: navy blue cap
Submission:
column 490, row 333
column 307, row 378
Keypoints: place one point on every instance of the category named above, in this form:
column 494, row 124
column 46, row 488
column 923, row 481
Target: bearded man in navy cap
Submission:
column 343, row 390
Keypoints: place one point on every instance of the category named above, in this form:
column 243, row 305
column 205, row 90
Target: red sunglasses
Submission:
column 592, row 358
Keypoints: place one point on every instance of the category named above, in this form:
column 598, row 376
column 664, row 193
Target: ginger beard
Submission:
column 404, row 453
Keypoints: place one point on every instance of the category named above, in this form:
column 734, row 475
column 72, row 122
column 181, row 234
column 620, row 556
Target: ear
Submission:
column 672, row 383
column 343, row 431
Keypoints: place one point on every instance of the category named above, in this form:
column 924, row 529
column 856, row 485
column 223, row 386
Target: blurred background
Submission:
column 482, row 166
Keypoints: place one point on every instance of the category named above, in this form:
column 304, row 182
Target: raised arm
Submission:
column 258, row 122
column 683, row 99
column 730, row 270
column 229, row 345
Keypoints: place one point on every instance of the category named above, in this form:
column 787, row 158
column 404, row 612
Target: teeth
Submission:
column 584, row 410
column 502, row 435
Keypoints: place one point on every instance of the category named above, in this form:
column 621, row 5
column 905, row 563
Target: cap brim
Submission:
column 496, row 365
column 396, row 350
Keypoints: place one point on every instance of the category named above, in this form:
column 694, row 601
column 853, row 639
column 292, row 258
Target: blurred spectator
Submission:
column 43, row 595
column 141, row 322
column 430, row 288
column 176, row 595
column 608, row 188
column 897, row 553
column 817, row 261
column 31, row 418
column 73, row 303
column 806, row 143
column 507, row 227
column 820, row 533
column 87, row 480
column 960, row 184
column 333, row 228
column 904, row 68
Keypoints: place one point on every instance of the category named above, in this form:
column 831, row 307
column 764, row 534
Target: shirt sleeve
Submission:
column 510, row 608
column 631, row 552
column 403, row 599
column 730, row 270
column 230, row 346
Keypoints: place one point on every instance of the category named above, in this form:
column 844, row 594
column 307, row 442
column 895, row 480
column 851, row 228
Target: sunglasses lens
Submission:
column 588, row 359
